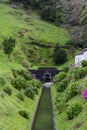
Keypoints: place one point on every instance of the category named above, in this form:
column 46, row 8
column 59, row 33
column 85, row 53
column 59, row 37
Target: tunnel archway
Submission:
column 47, row 77
column 47, row 73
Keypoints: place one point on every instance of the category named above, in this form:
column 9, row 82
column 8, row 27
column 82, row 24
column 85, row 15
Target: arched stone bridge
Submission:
column 46, row 74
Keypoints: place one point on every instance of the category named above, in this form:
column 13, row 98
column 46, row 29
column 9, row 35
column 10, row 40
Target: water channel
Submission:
column 44, row 115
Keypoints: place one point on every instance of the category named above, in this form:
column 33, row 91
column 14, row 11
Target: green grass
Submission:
column 62, row 122
column 30, row 25
column 26, row 25
column 9, row 107
column 23, row 26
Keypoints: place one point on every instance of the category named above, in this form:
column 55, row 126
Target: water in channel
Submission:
column 44, row 115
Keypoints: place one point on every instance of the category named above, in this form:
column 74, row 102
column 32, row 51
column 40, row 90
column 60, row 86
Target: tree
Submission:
column 8, row 46
column 59, row 55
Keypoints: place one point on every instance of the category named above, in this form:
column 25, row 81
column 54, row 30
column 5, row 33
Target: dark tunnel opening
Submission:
column 47, row 77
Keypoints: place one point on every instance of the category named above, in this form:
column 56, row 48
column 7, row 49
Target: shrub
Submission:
column 84, row 63
column 60, row 77
column 19, row 83
column 73, row 110
column 23, row 73
column 20, row 96
column 61, row 86
column 74, row 89
column 66, row 69
column 67, row 96
column 8, row 46
column 7, row 90
column 2, row 81
column 35, row 90
column 35, row 83
column 59, row 55
column 15, row 72
column 29, row 92
column 79, row 73
column 24, row 114
column 49, row 13
column 26, row 74
column 60, row 103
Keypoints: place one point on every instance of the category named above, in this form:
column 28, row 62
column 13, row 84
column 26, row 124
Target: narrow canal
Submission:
column 44, row 115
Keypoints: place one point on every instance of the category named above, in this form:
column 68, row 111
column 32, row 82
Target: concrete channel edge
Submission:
column 54, row 119
column 33, row 119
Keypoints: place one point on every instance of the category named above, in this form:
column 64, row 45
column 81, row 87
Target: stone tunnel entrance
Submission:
column 47, row 77
column 44, row 74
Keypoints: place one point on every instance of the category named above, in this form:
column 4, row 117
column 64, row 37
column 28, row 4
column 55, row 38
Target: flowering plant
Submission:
column 84, row 94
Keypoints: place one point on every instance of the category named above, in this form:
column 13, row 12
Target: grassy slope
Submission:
column 23, row 27
column 9, row 107
column 62, row 123
column 83, row 15
column 26, row 25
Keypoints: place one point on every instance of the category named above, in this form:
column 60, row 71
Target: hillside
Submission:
column 35, row 40
column 36, row 37
column 69, row 105
column 28, row 29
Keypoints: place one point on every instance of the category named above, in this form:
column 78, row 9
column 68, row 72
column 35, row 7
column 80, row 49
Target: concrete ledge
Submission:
column 33, row 119
column 54, row 119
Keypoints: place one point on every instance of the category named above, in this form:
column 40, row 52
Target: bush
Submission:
column 2, row 81
column 35, row 90
column 35, row 83
column 7, row 90
column 60, row 102
column 79, row 73
column 66, row 69
column 74, row 89
column 84, row 63
column 67, row 96
column 59, row 77
column 8, row 46
column 24, row 114
column 49, row 13
column 23, row 73
column 20, row 96
column 15, row 72
column 19, row 83
column 29, row 92
column 73, row 110
column 61, row 86
column 26, row 74
column 59, row 55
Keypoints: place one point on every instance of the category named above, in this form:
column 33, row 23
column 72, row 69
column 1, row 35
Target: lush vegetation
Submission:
column 70, row 105
column 8, row 46
column 32, row 36
column 22, row 34
column 15, row 106
column 59, row 55
column 30, row 42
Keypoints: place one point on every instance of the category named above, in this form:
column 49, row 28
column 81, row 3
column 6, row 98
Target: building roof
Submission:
column 80, row 53
column 85, row 49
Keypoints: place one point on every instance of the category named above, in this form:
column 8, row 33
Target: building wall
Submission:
column 78, row 58
column 85, row 55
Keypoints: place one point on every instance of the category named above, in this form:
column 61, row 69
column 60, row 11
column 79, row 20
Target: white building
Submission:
column 80, row 56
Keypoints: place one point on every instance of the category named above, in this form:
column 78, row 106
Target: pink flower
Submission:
column 86, row 78
column 84, row 94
